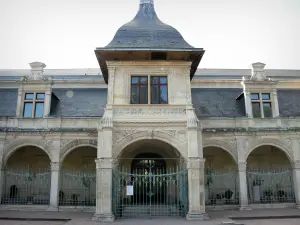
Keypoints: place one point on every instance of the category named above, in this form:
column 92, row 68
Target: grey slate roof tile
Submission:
column 212, row 102
column 289, row 102
column 83, row 103
column 8, row 102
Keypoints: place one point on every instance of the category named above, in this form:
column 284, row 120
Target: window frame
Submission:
column 149, row 88
column 35, row 100
column 261, row 102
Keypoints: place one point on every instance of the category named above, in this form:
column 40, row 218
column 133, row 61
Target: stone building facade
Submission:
column 98, row 139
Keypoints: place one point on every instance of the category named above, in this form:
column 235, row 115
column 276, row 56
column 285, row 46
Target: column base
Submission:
column 197, row 216
column 52, row 209
column 244, row 207
column 104, row 217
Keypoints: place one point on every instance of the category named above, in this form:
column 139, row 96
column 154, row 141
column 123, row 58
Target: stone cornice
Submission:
column 148, row 63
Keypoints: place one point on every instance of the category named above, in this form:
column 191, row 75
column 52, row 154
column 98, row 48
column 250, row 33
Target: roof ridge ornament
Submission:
column 146, row 2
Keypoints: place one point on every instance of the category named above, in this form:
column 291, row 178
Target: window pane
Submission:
column 29, row 96
column 163, row 80
column 39, row 110
column 267, row 109
column 144, row 80
column 163, row 94
column 143, row 94
column 134, row 80
column 134, row 94
column 154, row 94
column 154, row 80
column 27, row 110
column 40, row 96
column 255, row 96
column 265, row 96
column 256, row 109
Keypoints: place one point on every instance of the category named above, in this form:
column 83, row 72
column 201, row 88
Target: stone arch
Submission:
column 222, row 145
column 44, row 145
column 272, row 142
column 68, row 148
column 146, row 135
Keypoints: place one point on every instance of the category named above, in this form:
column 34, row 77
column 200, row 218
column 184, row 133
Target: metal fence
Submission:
column 150, row 194
column 270, row 185
column 77, row 188
column 26, row 186
column 222, row 188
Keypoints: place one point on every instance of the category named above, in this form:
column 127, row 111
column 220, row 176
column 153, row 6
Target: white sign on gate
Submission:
column 129, row 190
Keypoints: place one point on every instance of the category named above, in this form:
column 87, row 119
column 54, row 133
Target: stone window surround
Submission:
column 149, row 76
column 37, row 88
column 269, row 87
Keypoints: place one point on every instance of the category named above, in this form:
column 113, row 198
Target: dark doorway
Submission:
column 149, row 185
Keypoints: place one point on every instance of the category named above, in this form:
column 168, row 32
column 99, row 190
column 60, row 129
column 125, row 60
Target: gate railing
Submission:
column 77, row 188
column 150, row 194
column 222, row 188
column 270, row 185
column 26, row 186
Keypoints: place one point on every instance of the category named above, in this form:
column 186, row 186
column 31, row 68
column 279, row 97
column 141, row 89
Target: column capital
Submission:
column 106, row 163
column 296, row 165
column 195, row 163
column 55, row 166
column 242, row 166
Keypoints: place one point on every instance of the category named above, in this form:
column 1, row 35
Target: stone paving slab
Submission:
column 216, row 218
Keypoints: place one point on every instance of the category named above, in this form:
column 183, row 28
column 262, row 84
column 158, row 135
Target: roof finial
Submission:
column 146, row 1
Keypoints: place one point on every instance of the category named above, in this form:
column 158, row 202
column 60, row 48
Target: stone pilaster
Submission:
column 196, row 189
column 104, row 190
column 242, row 167
column 296, row 178
column 54, row 190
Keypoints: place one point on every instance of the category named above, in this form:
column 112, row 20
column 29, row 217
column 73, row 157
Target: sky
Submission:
column 234, row 33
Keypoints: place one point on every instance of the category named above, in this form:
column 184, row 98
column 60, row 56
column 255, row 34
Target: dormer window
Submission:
column 145, row 92
column 33, row 105
column 261, row 105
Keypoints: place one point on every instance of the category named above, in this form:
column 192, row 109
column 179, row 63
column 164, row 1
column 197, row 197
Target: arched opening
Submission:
column 269, row 176
column 221, row 177
column 27, row 177
column 151, row 177
column 78, row 178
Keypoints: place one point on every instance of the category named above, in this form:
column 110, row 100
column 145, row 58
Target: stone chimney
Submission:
column 37, row 69
column 258, row 72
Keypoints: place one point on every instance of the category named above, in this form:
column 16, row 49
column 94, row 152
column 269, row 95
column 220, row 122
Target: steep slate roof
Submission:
column 146, row 30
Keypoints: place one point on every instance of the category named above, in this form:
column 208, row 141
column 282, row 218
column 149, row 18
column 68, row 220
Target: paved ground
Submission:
column 216, row 218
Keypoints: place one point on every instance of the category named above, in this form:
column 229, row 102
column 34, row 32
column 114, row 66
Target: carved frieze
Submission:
column 149, row 111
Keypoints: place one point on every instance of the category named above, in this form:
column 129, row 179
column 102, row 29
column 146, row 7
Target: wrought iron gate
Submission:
column 150, row 194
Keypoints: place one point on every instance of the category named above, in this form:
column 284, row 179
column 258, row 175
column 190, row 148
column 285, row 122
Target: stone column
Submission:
column 54, row 190
column 196, row 189
column 47, row 103
column 296, row 178
column 242, row 167
column 1, row 180
column 104, row 190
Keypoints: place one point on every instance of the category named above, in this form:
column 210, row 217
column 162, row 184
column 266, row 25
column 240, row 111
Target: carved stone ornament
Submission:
column 196, row 163
column 150, row 111
column 55, row 166
column 258, row 73
column 106, row 163
column 296, row 164
column 242, row 166
column 37, row 69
